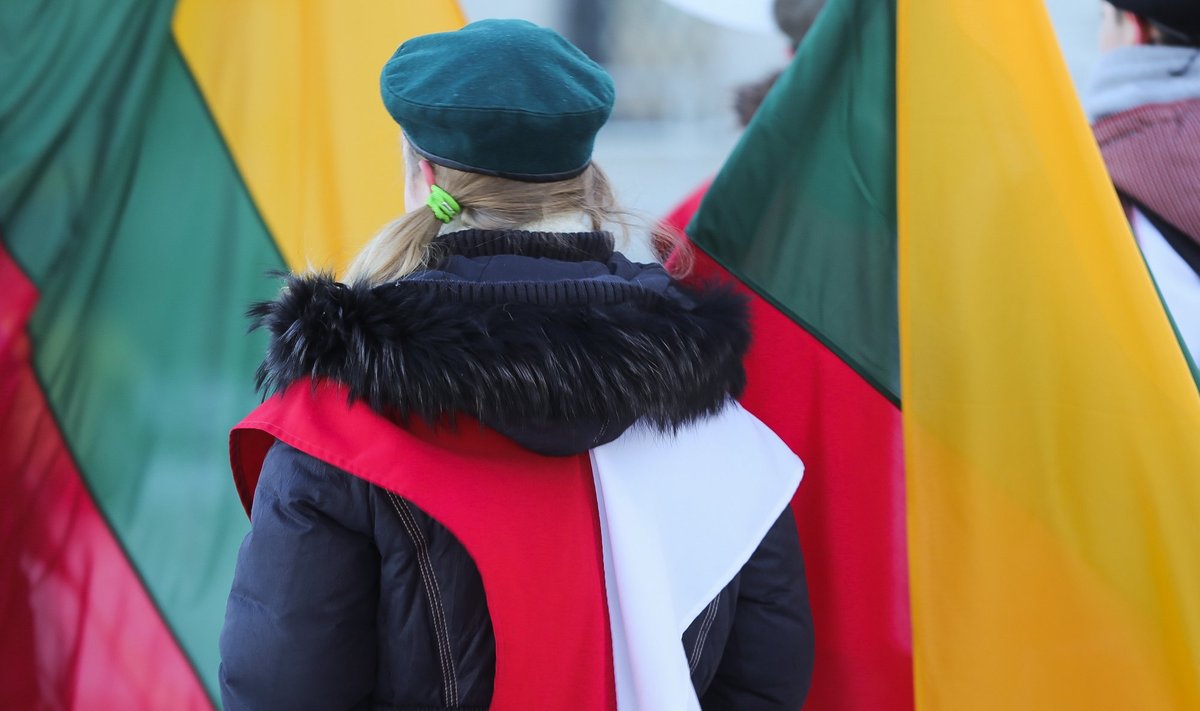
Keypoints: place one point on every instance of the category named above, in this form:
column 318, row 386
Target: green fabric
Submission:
column 804, row 211
column 119, row 199
column 502, row 97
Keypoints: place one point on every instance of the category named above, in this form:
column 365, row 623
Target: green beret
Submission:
column 499, row 97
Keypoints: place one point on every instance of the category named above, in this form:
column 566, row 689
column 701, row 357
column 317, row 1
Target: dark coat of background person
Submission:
column 347, row 596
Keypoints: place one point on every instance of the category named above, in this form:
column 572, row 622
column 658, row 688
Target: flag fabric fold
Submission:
column 140, row 213
column 925, row 223
column 1051, row 419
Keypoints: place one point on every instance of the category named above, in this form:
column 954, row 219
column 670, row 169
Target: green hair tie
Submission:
column 444, row 207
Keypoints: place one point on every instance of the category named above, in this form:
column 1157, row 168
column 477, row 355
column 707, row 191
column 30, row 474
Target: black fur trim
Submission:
column 432, row 349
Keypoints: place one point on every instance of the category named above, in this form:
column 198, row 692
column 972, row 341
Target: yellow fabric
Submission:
column 1052, row 426
column 294, row 87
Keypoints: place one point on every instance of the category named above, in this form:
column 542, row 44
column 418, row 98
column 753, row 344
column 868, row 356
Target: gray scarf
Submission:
column 1132, row 76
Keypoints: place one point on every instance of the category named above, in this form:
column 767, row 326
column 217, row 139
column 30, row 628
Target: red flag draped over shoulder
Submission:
column 529, row 522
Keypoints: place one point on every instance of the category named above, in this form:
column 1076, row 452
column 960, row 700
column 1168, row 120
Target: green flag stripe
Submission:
column 820, row 244
column 124, row 207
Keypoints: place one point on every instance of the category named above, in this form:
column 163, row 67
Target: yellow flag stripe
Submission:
column 1052, row 426
column 294, row 88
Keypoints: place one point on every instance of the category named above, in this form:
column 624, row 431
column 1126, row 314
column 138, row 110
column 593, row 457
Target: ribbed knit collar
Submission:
column 546, row 268
column 567, row 246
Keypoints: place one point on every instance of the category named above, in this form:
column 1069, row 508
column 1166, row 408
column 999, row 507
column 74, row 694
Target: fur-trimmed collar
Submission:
column 560, row 364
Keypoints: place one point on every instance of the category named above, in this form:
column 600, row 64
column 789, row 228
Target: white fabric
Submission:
column 635, row 245
column 1178, row 284
column 679, row 516
column 1146, row 74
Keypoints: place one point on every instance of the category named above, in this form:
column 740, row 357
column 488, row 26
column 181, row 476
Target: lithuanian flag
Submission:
column 955, row 330
column 155, row 161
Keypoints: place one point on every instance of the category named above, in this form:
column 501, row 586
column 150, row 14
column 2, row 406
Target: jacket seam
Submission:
column 433, row 594
column 710, row 616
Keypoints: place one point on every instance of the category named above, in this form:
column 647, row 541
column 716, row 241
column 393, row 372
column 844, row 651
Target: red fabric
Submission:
column 529, row 522
column 1153, row 155
column 850, row 509
column 80, row 630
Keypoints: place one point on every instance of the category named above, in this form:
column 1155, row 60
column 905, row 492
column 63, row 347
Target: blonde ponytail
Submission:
column 492, row 203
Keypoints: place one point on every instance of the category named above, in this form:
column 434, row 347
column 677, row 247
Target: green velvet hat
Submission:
column 499, row 97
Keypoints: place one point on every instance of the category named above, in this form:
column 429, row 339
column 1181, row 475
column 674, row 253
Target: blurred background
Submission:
column 678, row 65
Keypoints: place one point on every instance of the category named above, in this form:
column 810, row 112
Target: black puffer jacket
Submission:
column 347, row 596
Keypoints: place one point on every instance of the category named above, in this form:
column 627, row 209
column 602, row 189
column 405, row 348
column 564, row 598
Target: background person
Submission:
column 1144, row 100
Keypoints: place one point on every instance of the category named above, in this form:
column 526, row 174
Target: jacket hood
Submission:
column 552, row 339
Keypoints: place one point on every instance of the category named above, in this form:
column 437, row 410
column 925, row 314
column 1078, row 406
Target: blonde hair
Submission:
column 491, row 203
